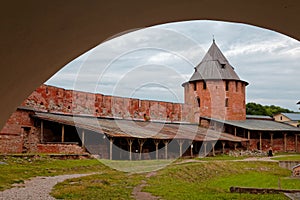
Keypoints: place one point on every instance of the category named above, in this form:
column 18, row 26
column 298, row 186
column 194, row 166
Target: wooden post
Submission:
column 82, row 138
column 271, row 139
column 260, row 141
column 141, row 143
column 42, row 131
column 296, row 143
column 111, row 140
column 62, row 133
column 191, row 145
column 223, row 147
column 130, row 141
column 180, row 142
column 249, row 135
column 156, row 142
column 234, row 131
column 166, row 148
column 284, row 141
column 205, row 144
column 213, row 148
column 235, row 144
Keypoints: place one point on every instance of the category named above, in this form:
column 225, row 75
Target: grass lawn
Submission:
column 19, row 169
column 290, row 157
column 210, row 179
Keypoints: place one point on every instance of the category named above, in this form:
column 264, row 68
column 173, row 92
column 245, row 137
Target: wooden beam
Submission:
column 180, row 142
column 166, row 142
column 223, row 147
column 156, row 142
column 260, row 141
column 141, row 143
column 82, row 138
column 62, row 133
column 191, row 146
column 271, row 135
column 111, row 140
column 42, row 131
column 284, row 142
column 205, row 145
column 130, row 141
column 249, row 135
column 296, row 143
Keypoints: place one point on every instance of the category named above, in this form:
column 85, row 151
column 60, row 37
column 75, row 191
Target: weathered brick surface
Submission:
column 60, row 148
column 10, row 143
column 20, row 134
column 58, row 100
column 212, row 99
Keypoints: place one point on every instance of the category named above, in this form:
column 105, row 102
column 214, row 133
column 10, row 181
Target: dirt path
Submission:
column 137, row 191
column 37, row 188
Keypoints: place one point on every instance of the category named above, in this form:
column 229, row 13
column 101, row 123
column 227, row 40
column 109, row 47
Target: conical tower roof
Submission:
column 214, row 66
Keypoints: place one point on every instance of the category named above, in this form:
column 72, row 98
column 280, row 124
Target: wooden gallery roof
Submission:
column 139, row 129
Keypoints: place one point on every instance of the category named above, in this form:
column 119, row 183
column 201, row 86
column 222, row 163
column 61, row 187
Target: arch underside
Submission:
column 39, row 38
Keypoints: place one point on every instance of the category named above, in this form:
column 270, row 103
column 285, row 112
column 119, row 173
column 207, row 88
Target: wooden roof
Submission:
column 214, row 66
column 258, row 125
column 139, row 129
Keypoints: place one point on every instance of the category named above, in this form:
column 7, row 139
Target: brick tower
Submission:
column 215, row 90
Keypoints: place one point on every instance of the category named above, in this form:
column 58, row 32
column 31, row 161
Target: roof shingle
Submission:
column 214, row 66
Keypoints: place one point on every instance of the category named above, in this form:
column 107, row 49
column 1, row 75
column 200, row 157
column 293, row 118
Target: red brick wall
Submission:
column 11, row 135
column 10, row 143
column 58, row 100
column 212, row 99
column 60, row 148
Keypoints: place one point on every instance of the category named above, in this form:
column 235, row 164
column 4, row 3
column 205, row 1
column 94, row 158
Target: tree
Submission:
column 258, row 109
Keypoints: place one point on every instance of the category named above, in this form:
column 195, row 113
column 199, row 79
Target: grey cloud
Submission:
column 269, row 61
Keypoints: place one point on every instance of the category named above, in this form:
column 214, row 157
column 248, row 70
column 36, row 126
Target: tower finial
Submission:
column 213, row 38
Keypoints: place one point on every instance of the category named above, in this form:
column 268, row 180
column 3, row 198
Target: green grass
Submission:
column 108, row 185
column 222, row 157
column 180, row 180
column 139, row 166
column 19, row 169
column 212, row 180
column 290, row 157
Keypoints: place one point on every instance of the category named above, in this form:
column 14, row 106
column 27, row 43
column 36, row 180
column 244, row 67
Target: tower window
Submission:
column 198, row 102
column 223, row 65
column 236, row 86
column 226, row 102
column 204, row 85
column 195, row 86
column 226, row 85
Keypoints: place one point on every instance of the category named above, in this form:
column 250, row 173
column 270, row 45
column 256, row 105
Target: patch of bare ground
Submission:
column 137, row 191
column 37, row 188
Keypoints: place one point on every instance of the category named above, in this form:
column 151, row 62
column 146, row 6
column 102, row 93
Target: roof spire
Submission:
column 213, row 38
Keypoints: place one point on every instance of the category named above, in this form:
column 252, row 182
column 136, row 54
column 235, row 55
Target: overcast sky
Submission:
column 152, row 63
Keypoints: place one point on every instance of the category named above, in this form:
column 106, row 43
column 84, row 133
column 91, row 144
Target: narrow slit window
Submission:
column 198, row 102
column 236, row 86
column 204, row 85
column 226, row 85
column 226, row 102
column 195, row 86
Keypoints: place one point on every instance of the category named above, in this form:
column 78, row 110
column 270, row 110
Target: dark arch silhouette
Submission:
column 38, row 38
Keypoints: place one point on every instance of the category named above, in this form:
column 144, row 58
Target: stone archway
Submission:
column 38, row 38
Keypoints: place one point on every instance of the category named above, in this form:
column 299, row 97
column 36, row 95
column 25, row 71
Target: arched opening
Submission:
column 63, row 34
